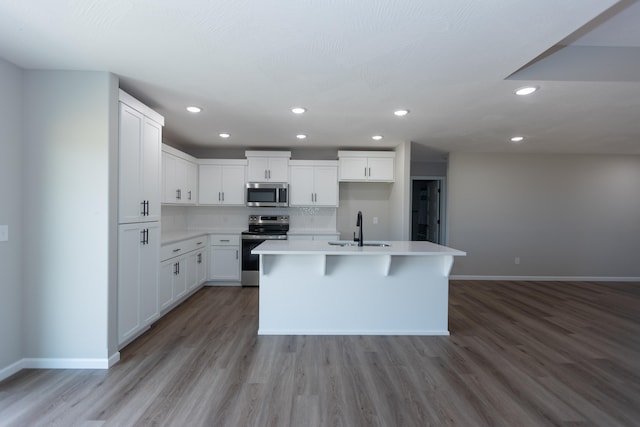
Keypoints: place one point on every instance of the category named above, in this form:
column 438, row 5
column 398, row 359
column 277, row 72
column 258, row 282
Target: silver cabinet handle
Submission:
column 236, row 254
column 365, row 171
column 225, row 240
column 177, row 250
column 223, row 196
column 199, row 243
column 189, row 193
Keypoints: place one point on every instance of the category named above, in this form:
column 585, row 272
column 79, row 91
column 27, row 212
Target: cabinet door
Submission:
column 170, row 178
column 210, row 185
column 180, row 278
column 201, row 261
column 130, row 192
column 301, row 186
column 257, row 169
column 224, row 263
column 278, row 170
column 190, row 187
column 191, row 273
column 353, row 168
column 151, row 179
column 380, row 169
column 165, row 284
column 234, row 187
column 326, row 186
column 149, row 259
column 129, row 244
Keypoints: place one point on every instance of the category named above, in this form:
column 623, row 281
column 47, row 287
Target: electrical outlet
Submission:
column 517, row 260
column 4, row 233
column 375, row 219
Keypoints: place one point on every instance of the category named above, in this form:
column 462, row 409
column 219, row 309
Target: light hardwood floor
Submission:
column 519, row 354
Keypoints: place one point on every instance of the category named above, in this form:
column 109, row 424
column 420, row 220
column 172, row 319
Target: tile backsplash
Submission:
column 178, row 218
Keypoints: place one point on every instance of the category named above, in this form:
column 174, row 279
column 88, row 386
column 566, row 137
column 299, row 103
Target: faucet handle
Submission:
column 355, row 238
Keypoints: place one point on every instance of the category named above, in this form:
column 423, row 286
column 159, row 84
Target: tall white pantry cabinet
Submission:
column 139, row 181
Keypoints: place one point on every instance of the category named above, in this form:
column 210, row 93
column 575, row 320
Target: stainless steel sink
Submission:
column 349, row 243
column 343, row 244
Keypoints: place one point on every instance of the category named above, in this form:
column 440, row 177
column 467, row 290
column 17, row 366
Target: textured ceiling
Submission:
column 454, row 64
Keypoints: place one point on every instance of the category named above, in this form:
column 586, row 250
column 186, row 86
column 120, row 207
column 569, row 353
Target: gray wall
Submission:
column 69, row 206
column 563, row 215
column 11, row 302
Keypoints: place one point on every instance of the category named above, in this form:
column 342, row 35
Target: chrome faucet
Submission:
column 359, row 239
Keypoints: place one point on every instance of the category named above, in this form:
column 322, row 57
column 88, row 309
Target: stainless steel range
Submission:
column 261, row 228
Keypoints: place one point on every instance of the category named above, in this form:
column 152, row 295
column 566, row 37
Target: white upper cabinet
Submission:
column 222, row 182
column 140, row 136
column 268, row 166
column 372, row 166
column 179, row 177
column 313, row 183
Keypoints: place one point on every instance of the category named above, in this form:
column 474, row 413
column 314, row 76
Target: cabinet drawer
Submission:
column 182, row 247
column 224, row 240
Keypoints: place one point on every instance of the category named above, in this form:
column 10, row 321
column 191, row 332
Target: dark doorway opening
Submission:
column 426, row 210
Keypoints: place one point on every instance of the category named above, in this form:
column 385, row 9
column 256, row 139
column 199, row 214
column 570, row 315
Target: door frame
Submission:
column 444, row 234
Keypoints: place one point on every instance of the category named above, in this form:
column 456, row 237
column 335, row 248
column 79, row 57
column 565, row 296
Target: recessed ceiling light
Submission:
column 224, row 135
column 527, row 90
column 401, row 113
column 301, row 136
column 376, row 137
column 517, row 139
column 194, row 109
column 298, row 110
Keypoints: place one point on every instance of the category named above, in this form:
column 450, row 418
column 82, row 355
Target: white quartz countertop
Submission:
column 306, row 231
column 176, row 236
column 316, row 247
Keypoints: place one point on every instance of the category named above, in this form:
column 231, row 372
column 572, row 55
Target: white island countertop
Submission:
column 316, row 247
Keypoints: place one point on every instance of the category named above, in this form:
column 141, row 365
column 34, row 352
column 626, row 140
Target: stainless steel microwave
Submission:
column 268, row 194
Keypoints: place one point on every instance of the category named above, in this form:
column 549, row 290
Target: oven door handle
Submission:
column 263, row 237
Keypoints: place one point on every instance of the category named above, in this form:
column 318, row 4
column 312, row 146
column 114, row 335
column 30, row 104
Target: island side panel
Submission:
column 351, row 295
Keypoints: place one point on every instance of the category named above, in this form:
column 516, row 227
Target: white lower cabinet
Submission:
column 224, row 257
column 138, row 255
column 181, row 270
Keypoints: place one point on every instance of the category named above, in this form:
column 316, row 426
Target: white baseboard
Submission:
column 12, row 369
column 49, row 363
column 115, row 358
column 352, row 332
column 548, row 278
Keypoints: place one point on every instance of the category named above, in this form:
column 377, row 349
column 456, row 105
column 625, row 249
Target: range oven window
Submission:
column 250, row 262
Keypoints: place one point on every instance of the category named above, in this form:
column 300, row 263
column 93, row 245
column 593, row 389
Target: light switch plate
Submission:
column 4, row 233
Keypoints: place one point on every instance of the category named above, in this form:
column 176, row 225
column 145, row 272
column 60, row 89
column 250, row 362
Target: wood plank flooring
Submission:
column 519, row 354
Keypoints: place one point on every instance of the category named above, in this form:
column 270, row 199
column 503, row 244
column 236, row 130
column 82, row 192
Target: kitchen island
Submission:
column 316, row 288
